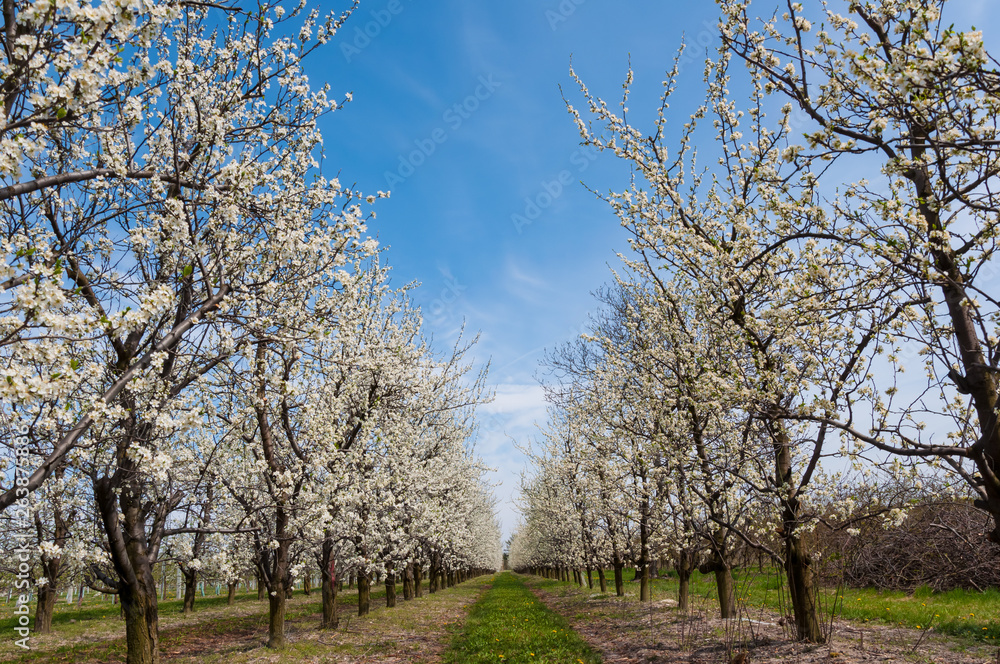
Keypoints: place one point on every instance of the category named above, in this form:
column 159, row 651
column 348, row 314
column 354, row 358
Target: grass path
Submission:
column 510, row 624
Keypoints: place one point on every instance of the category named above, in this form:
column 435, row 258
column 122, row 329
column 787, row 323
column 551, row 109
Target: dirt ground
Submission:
column 415, row 631
column 627, row 632
column 419, row 631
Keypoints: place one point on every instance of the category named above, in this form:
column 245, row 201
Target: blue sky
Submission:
column 450, row 222
column 457, row 110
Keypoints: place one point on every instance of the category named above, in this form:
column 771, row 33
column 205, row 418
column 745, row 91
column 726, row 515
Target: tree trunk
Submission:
column 119, row 499
column 141, row 626
column 46, row 600
column 407, row 583
column 329, row 587
column 727, row 597
column 276, row 616
column 306, row 588
column 645, row 589
column 719, row 565
column 980, row 381
column 190, row 588
column 45, row 606
column 364, row 594
column 797, row 563
column 683, row 590
column 46, row 596
column 684, row 566
column 602, row 579
column 590, row 578
column 278, row 589
column 231, row 595
column 802, row 591
column 261, row 587
column 619, row 578
column 418, row 588
column 434, row 575
column 390, row 591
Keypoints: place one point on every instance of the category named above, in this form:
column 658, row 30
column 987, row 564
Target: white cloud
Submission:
column 512, row 416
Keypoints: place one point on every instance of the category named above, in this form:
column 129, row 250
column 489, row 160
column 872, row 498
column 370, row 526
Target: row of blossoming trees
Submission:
column 202, row 359
column 825, row 288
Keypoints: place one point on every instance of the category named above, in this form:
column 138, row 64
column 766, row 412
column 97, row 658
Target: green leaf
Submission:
column 74, row 364
column 61, row 113
column 188, row 269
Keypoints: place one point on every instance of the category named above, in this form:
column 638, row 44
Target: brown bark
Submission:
column 364, row 594
column 719, row 565
column 329, row 588
column 278, row 587
column 133, row 553
column 390, row 591
column 980, row 381
column 619, row 579
column 231, row 594
column 276, row 617
column 51, row 567
column 684, row 566
column 45, row 607
column 407, row 583
column 727, row 595
column 802, row 590
column 602, row 579
column 684, row 591
column 434, row 575
column 141, row 626
column 418, row 589
column 801, row 587
column 190, row 588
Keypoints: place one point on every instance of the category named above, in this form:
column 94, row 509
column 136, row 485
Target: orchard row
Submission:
column 202, row 362
column 803, row 337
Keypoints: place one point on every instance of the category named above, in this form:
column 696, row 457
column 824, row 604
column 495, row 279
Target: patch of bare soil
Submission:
column 625, row 631
column 416, row 631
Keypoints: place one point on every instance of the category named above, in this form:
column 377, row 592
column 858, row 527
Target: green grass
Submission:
column 960, row 613
column 956, row 612
column 100, row 608
column 510, row 624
